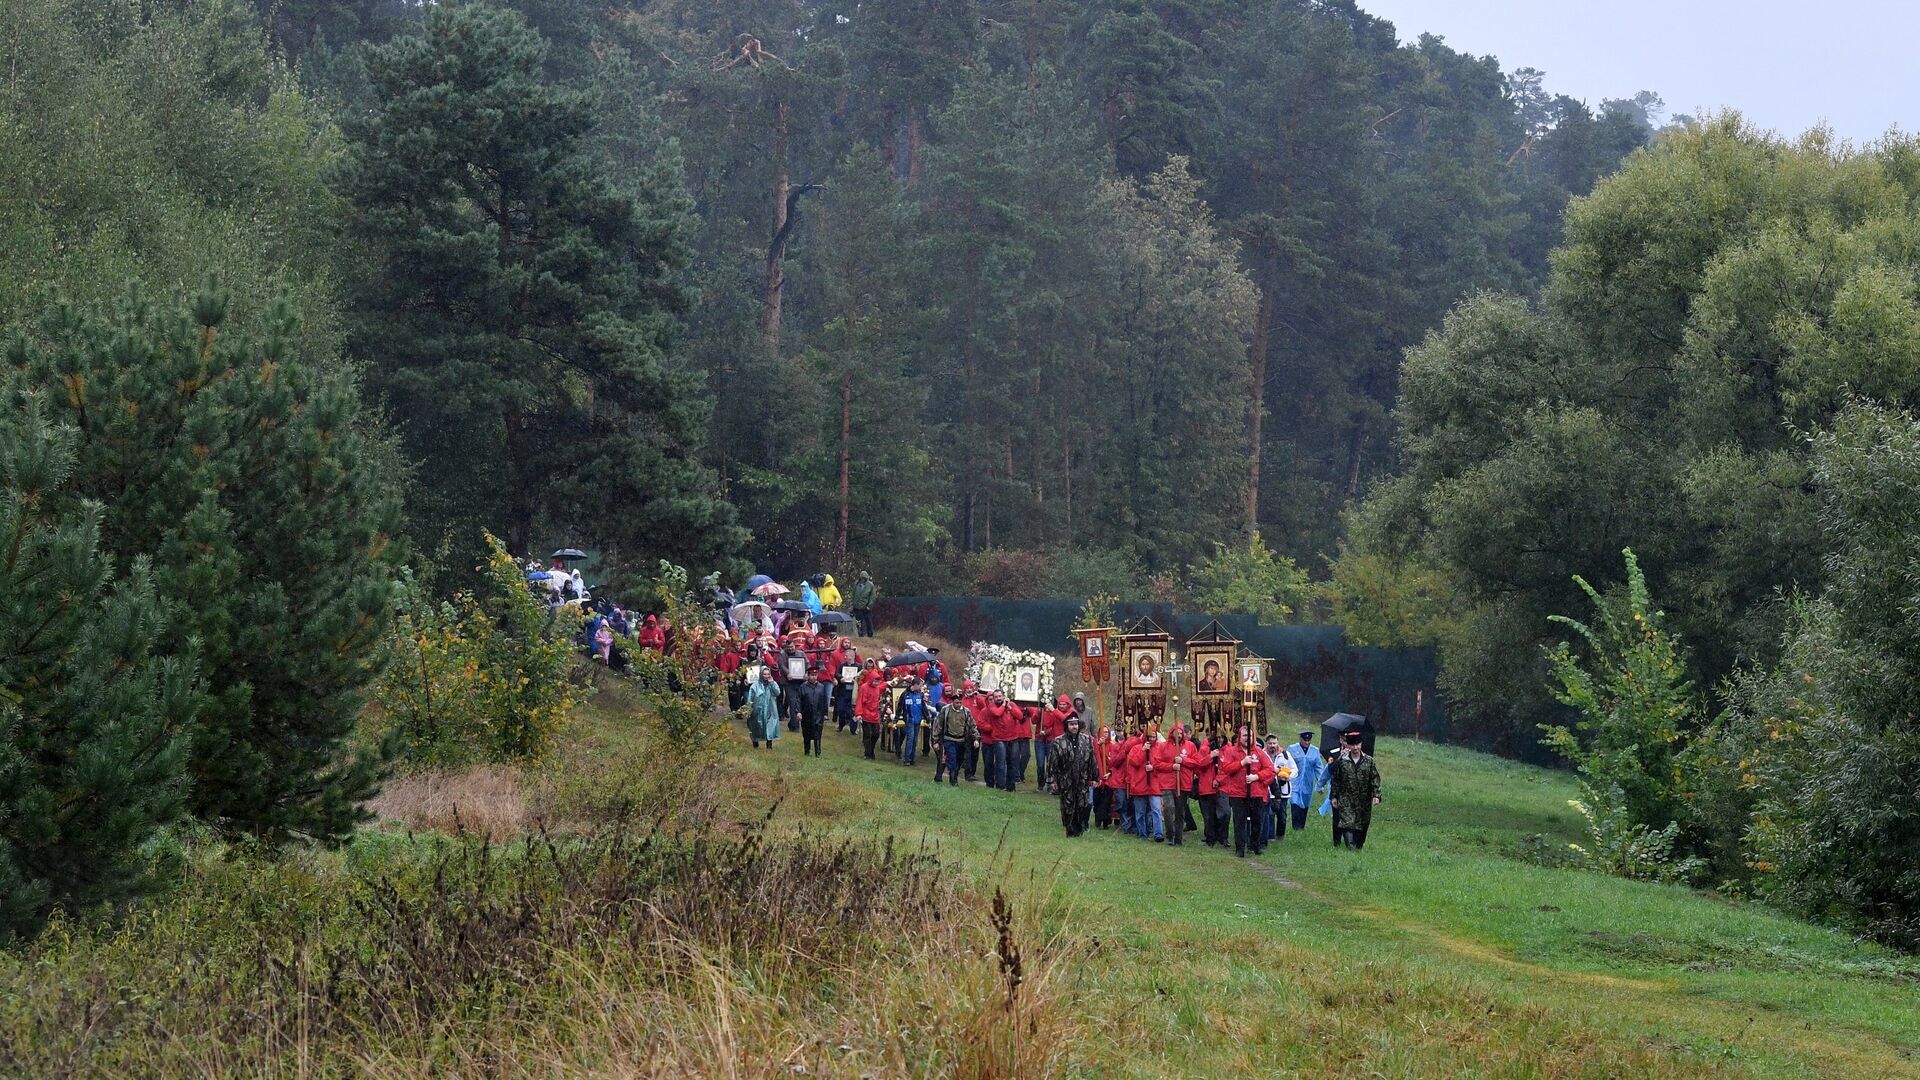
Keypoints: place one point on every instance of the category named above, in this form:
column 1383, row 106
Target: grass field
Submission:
column 1436, row 952
column 773, row 920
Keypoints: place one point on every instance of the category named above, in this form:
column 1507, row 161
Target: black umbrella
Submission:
column 1337, row 725
column 792, row 605
column 832, row 618
column 568, row 553
column 907, row 659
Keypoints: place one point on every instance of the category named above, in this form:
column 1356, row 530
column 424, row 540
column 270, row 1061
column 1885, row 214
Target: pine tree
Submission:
column 244, row 471
column 522, row 305
column 92, row 714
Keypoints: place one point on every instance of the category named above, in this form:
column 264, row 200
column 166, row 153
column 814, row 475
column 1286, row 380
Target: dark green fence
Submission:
column 1315, row 670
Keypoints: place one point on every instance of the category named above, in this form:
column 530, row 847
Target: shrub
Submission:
column 1633, row 702
column 1082, row 572
column 1626, row 848
column 1012, row 573
column 482, row 676
column 1251, row 581
column 1826, row 746
column 1382, row 600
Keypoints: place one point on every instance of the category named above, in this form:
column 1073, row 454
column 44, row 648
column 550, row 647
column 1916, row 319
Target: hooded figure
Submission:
column 1071, row 772
column 830, row 593
column 811, row 598
column 763, row 708
column 865, row 592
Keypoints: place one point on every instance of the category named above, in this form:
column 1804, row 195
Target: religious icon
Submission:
column 1026, row 684
column 1096, row 647
column 1146, row 666
column 990, row 676
column 1253, row 675
column 1213, row 669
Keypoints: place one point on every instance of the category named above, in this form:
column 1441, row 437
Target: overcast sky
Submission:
column 1785, row 65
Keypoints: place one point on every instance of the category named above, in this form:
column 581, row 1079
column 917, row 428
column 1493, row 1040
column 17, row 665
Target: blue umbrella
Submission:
column 756, row 581
column 539, row 575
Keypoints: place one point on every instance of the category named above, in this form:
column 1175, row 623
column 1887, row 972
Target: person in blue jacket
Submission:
column 1309, row 775
column 811, row 598
column 913, row 708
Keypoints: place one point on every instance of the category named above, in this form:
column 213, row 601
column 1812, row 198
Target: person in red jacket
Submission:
column 1053, row 724
column 843, row 654
column 1104, row 742
column 1180, row 755
column 651, row 636
column 996, row 726
column 866, row 705
column 1143, row 786
column 1245, row 774
column 1213, row 803
column 1021, row 721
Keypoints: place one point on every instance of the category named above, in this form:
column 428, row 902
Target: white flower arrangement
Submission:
column 992, row 666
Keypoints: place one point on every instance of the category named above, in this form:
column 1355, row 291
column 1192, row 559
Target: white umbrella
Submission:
column 752, row 611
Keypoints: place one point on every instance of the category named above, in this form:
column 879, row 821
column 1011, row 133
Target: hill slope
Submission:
column 1434, row 952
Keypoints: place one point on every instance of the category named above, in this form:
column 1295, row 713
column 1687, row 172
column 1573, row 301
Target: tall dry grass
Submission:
column 489, row 801
column 618, row 954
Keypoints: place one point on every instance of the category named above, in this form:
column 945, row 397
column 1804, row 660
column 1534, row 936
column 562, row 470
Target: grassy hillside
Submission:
column 734, row 943
column 1437, row 951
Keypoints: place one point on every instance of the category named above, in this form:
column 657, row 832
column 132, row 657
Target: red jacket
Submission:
column 996, row 722
column 1113, row 763
column 1183, row 763
column 1233, row 772
column 1205, row 776
column 866, row 696
column 1139, row 755
column 1163, row 755
column 1053, row 722
column 651, row 636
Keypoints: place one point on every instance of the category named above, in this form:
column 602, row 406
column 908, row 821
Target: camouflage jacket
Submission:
column 1356, row 783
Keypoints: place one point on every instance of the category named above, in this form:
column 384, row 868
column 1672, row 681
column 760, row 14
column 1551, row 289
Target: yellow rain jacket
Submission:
column 830, row 594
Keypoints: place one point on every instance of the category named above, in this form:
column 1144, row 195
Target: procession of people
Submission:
column 790, row 665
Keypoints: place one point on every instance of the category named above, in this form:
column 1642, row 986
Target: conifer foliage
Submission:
column 92, row 716
column 522, row 304
column 244, row 472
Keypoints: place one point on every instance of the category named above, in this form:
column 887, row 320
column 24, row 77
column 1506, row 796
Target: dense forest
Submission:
column 817, row 284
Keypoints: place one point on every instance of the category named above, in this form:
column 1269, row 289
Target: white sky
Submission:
column 1785, row 65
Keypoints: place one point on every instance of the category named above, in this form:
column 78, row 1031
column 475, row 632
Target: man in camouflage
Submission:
column 1354, row 792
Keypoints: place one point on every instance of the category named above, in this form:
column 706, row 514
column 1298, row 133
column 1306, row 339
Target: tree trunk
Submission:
column 776, row 244
column 520, row 485
column 916, row 141
column 1066, row 484
column 1355, row 444
column 1256, row 414
column 846, row 451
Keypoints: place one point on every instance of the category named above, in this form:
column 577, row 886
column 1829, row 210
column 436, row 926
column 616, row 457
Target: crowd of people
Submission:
column 1148, row 784
column 791, row 666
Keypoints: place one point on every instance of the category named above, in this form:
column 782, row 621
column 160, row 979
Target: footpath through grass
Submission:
column 1436, row 951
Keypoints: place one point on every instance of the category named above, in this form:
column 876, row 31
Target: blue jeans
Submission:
column 1146, row 817
column 955, row 752
column 1018, row 751
column 913, row 740
column 993, row 759
column 1040, row 747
